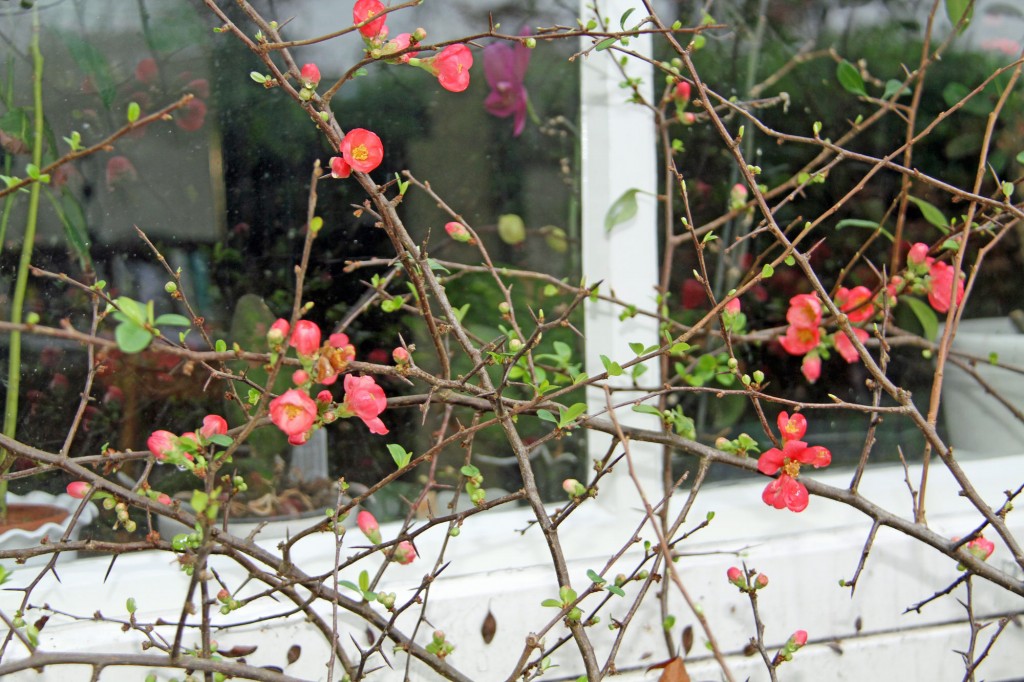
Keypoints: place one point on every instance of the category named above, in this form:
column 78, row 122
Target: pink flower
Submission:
column 162, row 444
column 804, row 311
column 310, row 76
column 856, row 303
column 119, row 171
column 365, row 399
column 682, row 92
column 800, row 340
column 979, row 547
column 792, row 428
column 79, row 489
column 305, row 338
column 293, row 412
column 761, row 581
column 192, row 116
column 452, row 66
column 786, row 493
column 941, row 291
column 324, row 397
column 400, row 356
column 405, row 553
column 367, row 9
column 918, row 254
column 146, row 71
column 845, row 347
column 299, row 377
column 340, row 168
column 811, row 367
column 505, row 68
column 163, row 498
column 362, row 150
column 278, row 332
column 733, row 306
column 458, row 232
column 338, row 340
column 397, row 44
column 738, row 196
column 368, row 525
column 213, row 425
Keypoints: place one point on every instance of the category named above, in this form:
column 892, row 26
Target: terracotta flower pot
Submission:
column 29, row 517
column 42, row 516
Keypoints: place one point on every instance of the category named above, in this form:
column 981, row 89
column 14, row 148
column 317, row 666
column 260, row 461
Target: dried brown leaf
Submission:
column 294, row 651
column 489, row 627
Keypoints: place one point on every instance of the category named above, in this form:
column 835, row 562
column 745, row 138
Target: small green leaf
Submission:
column 221, row 439
column 133, row 112
column 637, row 348
column 572, row 412
column 950, row 245
column 767, row 271
column 364, row 581
column 547, row 416
column 258, row 77
column 1020, row 157
column 130, row 605
column 647, row 409
column 399, row 454
column 617, row 591
column 960, row 9
column 709, row 237
column 625, row 15
column 605, row 44
column 850, row 78
column 892, row 87
column 868, row 224
column 220, row 346
column 932, row 214
column 552, row 603
column 131, row 338
column 200, row 500
column 594, row 577
column 679, row 348
column 613, row 368
column 925, row 315
column 623, row 209
column 172, row 320
column 789, row 260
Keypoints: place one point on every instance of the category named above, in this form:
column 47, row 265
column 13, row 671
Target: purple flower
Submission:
column 505, row 67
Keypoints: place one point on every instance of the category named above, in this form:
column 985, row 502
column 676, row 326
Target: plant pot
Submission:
column 275, row 527
column 975, row 420
column 39, row 515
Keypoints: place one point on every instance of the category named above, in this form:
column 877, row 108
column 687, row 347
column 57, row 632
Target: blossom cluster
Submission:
column 295, row 412
column 786, row 491
column 928, row 276
column 804, row 335
column 182, row 450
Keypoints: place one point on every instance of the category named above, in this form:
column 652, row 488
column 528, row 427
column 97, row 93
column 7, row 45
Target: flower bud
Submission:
column 310, row 76
column 405, row 554
column 574, row 488
column 530, row 42
column 400, row 356
column 278, row 332
column 761, row 581
column 368, row 525
column 306, row 337
column 736, row 577
column 170, row 287
column 458, row 232
column 798, row 639
column 299, row 377
column 78, row 489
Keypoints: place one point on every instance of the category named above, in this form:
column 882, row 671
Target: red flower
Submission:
column 362, row 150
column 305, row 338
column 192, row 116
column 452, row 67
column 804, row 311
column 293, row 412
column 811, row 367
column 918, row 254
column 397, row 44
column 146, row 71
column 856, row 303
column 213, row 425
column 845, row 347
column 800, row 340
column 941, row 291
column 367, row 9
column 338, row 340
column 792, row 428
column 162, row 444
column 786, row 493
column 310, row 76
column 365, row 399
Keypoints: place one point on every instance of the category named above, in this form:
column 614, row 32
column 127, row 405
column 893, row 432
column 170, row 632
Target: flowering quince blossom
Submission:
column 213, row 425
column 785, row 491
column 362, row 150
column 278, row 332
column 804, row 311
column 368, row 9
column 918, row 254
column 397, row 44
column 305, row 338
column 192, row 117
column 800, row 340
column 845, row 347
column 505, row 68
column 368, row 525
column 855, row 303
column 340, row 168
column 941, row 289
column 78, row 489
column 400, row 356
column 366, row 400
column 293, row 412
column 981, row 548
column 458, row 232
column 451, row 67
column 310, row 76
column 405, row 553
column 162, row 444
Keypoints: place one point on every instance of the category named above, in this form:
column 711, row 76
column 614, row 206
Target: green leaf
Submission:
column 767, row 271
column 850, row 78
column 131, row 338
column 221, row 439
column 364, row 581
column 173, row 320
column 925, row 315
column 647, row 409
column 637, row 348
column 437, row 267
column 622, row 210
column 605, row 44
column 133, row 112
column 547, row 416
column 617, row 591
column 868, row 224
column 220, row 346
column 552, row 603
column 572, row 412
column 892, row 87
column 258, row 77
column 679, row 348
column 594, row 577
column 960, row 9
column 625, row 15
column 1020, row 158
column 613, row 368
column 200, row 500
column 932, row 214
column 399, row 454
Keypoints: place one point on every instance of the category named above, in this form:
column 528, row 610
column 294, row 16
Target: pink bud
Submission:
column 405, row 553
column 300, row 376
column 310, row 76
column 400, row 355
column 682, row 92
column 324, row 397
column 733, row 306
column 799, row 638
column 918, row 253
column 223, row 595
column 278, row 332
column 981, row 548
column 735, row 575
column 162, row 443
column 338, row 340
column 761, row 581
column 340, row 168
column 79, row 489
column 213, row 425
column 306, row 337
column 163, row 498
column 458, row 232
column 368, row 525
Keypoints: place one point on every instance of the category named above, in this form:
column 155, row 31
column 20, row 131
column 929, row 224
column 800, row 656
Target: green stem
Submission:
column 18, row 303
